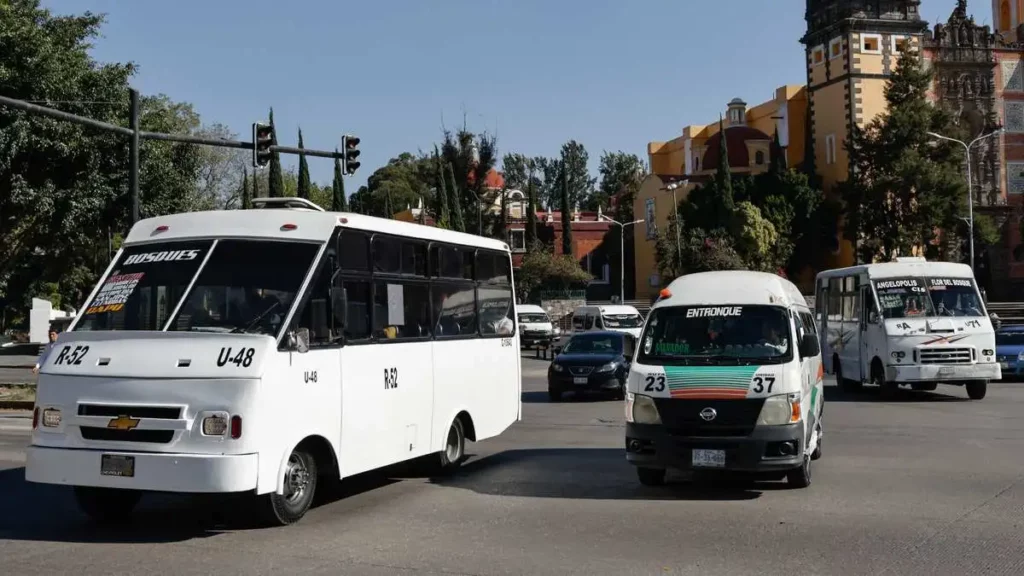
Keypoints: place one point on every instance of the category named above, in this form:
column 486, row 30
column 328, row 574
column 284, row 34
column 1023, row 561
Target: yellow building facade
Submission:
column 681, row 164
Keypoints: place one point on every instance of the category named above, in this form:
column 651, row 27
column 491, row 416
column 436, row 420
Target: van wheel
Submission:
column 106, row 505
column 454, row 447
column 977, row 390
column 817, row 448
column 300, row 480
column 800, row 477
column 651, row 476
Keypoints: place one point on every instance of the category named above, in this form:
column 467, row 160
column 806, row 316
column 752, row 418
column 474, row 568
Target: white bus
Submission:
column 906, row 323
column 259, row 350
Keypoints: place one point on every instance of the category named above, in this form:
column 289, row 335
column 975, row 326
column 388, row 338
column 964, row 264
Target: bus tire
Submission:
column 817, row 447
column 800, row 477
column 977, row 390
column 651, row 476
column 106, row 505
column 300, row 481
column 844, row 384
column 454, row 447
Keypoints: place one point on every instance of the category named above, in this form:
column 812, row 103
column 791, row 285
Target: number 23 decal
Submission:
column 655, row 383
column 761, row 381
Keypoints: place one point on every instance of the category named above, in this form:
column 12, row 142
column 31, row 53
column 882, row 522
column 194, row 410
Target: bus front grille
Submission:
column 946, row 356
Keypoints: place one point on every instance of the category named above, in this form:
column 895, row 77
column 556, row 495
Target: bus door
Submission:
column 872, row 331
column 821, row 309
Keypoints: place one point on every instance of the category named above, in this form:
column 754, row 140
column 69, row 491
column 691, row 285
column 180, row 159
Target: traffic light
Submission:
column 350, row 144
column 262, row 136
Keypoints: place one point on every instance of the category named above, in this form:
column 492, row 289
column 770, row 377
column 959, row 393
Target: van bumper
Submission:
column 954, row 373
column 652, row 446
column 157, row 472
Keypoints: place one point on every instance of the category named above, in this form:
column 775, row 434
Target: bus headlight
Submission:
column 641, row 409
column 215, row 425
column 780, row 410
column 899, row 355
column 606, row 367
column 51, row 417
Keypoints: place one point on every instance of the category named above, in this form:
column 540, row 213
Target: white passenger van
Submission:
column 257, row 350
column 617, row 317
column 535, row 326
column 910, row 322
column 727, row 376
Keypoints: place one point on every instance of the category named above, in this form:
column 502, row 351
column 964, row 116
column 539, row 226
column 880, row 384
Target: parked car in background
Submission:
column 535, row 326
column 595, row 361
column 1010, row 351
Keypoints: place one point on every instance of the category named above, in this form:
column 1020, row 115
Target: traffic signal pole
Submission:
column 137, row 135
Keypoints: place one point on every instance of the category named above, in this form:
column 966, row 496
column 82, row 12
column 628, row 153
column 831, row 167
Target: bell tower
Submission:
column 1006, row 16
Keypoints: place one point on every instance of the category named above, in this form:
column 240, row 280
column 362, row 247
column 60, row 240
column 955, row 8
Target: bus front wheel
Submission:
column 300, row 480
column 977, row 390
column 106, row 505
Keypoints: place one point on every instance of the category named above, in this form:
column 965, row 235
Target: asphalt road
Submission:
column 928, row 483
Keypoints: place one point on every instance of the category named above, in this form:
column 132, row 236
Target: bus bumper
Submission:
column 932, row 373
column 157, row 472
column 652, row 446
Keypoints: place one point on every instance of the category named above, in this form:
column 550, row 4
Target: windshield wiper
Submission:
column 249, row 325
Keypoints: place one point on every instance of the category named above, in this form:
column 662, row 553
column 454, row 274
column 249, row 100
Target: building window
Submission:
column 835, row 49
column 734, row 115
column 830, row 149
column 900, row 44
column 1013, row 116
column 515, row 210
column 1015, row 177
column 817, row 55
column 517, row 240
column 1013, row 79
column 597, row 266
column 871, row 43
column 696, row 163
column 759, row 158
column 652, row 226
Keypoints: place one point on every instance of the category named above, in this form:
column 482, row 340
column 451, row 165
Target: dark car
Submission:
column 592, row 362
column 1010, row 351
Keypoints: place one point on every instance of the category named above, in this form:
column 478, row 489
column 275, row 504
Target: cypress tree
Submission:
column 304, row 184
column 723, row 176
column 776, row 157
column 443, row 213
column 276, row 178
column 566, row 212
column 455, row 203
column 531, row 212
column 246, row 193
column 338, row 188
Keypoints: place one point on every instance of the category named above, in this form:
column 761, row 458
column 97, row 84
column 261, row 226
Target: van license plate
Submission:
column 116, row 465
column 709, row 458
column 580, row 380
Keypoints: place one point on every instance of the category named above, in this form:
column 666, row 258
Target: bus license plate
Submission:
column 947, row 371
column 580, row 380
column 116, row 465
column 709, row 458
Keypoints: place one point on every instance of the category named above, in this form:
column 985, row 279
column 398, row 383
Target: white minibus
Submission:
column 906, row 323
column 257, row 351
column 727, row 376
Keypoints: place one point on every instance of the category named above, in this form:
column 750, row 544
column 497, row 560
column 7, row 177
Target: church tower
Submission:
column 851, row 48
column 1007, row 15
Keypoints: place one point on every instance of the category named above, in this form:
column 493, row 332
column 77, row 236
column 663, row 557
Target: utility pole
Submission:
column 133, row 150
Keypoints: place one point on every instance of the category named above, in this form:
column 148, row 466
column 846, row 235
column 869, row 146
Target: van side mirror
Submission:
column 808, row 346
column 339, row 301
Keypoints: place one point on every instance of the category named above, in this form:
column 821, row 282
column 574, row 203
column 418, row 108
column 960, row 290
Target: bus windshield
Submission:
column 903, row 298
column 954, row 297
column 245, row 286
column 717, row 334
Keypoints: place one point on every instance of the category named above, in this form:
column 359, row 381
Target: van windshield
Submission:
column 622, row 320
column 245, row 286
column 533, row 319
column 726, row 335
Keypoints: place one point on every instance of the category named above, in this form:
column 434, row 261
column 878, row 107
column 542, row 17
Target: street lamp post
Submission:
column 970, row 182
column 675, row 211
column 622, row 254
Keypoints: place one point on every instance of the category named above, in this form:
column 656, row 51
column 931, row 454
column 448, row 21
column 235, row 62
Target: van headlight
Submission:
column 780, row 410
column 641, row 409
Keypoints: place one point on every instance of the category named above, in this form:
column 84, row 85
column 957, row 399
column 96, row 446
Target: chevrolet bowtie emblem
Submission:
column 123, row 423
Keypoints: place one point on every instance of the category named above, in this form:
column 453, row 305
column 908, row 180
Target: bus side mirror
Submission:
column 299, row 340
column 808, row 346
column 873, row 317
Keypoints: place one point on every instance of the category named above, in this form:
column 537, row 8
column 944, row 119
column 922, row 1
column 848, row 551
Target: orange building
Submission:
column 692, row 158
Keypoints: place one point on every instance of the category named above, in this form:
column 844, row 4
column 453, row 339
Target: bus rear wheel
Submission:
column 300, row 480
column 454, row 447
column 106, row 505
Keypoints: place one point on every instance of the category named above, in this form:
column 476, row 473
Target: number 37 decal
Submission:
column 763, row 384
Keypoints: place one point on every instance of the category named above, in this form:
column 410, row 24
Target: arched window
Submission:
column 759, row 158
column 1005, row 21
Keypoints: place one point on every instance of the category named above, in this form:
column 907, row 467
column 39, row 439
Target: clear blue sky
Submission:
column 613, row 75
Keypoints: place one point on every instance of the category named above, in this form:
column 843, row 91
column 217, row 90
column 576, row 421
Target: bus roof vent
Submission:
column 910, row 259
column 287, row 203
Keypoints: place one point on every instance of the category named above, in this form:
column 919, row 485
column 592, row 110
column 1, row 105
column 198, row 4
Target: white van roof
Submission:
column 530, row 309
column 732, row 287
column 608, row 309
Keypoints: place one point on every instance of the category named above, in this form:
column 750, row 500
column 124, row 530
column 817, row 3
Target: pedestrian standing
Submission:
column 46, row 351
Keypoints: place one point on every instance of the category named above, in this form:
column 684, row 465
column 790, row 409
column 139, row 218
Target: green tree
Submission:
column 723, row 176
column 444, row 218
column 304, row 182
column 246, row 192
column 700, row 251
column 275, row 187
column 454, row 199
column 338, row 188
column 566, row 210
column 541, row 269
column 620, row 174
column 531, row 207
column 904, row 185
